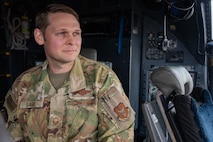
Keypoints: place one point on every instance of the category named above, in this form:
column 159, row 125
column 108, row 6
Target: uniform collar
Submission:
column 76, row 79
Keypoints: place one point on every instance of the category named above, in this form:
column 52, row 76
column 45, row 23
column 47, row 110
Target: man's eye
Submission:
column 76, row 33
column 62, row 33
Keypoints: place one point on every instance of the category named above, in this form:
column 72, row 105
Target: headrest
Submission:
column 170, row 78
column 90, row 53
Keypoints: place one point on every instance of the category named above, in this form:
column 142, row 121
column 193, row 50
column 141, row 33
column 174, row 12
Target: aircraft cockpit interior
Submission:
column 161, row 50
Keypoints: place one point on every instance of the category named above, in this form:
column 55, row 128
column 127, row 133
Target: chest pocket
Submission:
column 32, row 100
column 81, row 113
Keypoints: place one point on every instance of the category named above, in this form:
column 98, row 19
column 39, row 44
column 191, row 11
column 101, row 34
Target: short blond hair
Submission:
column 41, row 19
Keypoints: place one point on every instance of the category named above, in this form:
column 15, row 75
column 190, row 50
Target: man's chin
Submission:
column 69, row 60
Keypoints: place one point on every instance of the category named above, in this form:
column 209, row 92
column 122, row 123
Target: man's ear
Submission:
column 39, row 37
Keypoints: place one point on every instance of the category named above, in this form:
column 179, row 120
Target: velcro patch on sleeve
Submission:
column 117, row 105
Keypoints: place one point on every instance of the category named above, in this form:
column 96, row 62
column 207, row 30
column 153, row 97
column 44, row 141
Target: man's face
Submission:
column 62, row 39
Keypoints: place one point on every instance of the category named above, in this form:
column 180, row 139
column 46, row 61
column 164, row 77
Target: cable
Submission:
column 172, row 4
column 17, row 40
column 165, row 43
column 180, row 9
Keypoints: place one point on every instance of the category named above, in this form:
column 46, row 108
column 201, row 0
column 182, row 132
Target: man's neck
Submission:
column 60, row 68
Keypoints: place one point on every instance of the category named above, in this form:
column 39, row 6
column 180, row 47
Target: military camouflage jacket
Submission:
column 90, row 106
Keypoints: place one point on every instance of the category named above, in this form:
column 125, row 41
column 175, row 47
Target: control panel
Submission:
column 155, row 56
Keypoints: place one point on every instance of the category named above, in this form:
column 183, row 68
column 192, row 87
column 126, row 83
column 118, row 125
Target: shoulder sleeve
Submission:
column 10, row 112
column 116, row 116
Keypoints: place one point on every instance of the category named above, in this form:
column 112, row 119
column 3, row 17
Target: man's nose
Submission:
column 70, row 38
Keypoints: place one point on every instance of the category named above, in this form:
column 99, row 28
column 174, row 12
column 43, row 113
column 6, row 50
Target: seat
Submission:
column 90, row 53
column 180, row 110
column 4, row 134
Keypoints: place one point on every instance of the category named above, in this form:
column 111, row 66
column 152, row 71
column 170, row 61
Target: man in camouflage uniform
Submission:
column 68, row 98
